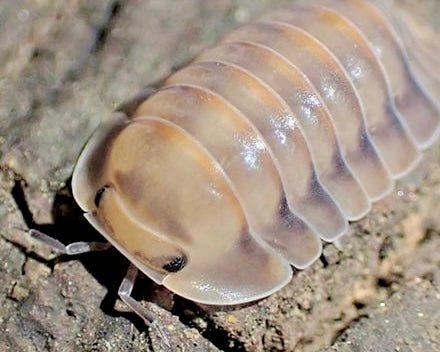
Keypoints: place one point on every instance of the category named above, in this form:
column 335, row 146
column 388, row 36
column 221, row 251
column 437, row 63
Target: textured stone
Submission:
column 408, row 321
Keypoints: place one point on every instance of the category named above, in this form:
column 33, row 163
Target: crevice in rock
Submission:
column 100, row 35
column 428, row 235
column 323, row 260
column 31, row 255
column 19, row 197
column 385, row 248
column 341, row 332
column 186, row 311
column 104, row 29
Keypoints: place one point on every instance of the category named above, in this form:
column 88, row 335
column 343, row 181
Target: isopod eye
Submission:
column 176, row 264
column 89, row 172
column 98, row 195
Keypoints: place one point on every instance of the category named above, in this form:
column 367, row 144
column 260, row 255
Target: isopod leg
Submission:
column 124, row 292
column 70, row 249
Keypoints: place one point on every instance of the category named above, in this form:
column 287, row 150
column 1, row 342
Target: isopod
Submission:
column 238, row 167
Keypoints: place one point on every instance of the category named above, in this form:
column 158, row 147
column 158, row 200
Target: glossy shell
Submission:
column 263, row 146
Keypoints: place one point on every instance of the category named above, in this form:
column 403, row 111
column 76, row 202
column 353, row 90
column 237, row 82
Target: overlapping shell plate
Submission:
column 262, row 147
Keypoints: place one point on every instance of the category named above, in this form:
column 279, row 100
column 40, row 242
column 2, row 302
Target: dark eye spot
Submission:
column 98, row 195
column 175, row 265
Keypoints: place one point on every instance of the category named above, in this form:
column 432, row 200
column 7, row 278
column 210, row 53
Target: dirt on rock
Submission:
column 66, row 65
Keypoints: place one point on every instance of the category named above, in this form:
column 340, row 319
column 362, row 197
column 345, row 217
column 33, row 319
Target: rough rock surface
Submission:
column 65, row 65
column 408, row 321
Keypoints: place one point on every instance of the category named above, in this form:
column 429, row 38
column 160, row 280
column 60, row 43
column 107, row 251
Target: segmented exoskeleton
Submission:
column 237, row 168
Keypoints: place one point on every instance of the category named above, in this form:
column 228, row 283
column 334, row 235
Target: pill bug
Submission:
column 235, row 169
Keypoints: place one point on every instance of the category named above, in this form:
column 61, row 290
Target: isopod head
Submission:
column 152, row 190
